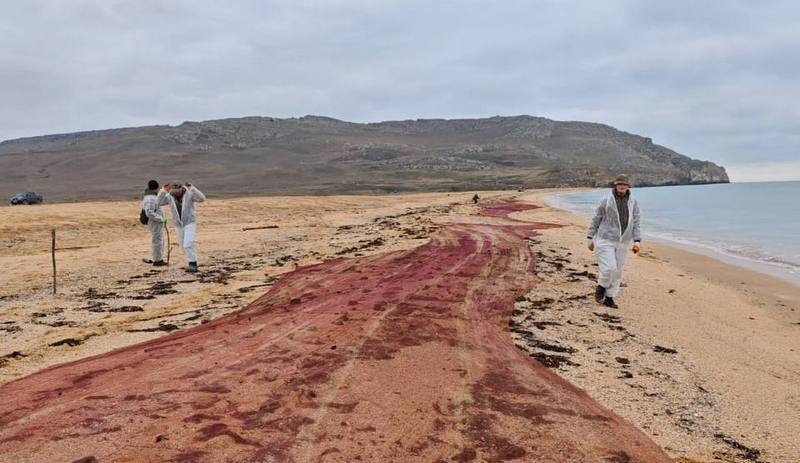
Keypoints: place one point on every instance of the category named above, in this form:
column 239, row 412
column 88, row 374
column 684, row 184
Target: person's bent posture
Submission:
column 155, row 222
column 181, row 199
column 614, row 226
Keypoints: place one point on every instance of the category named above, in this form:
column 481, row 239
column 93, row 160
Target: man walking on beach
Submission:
column 614, row 226
column 155, row 222
column 181, row 200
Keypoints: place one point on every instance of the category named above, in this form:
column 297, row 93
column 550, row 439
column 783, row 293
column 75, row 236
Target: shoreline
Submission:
column 776, row 270
column 773, row 270
column 702, row 355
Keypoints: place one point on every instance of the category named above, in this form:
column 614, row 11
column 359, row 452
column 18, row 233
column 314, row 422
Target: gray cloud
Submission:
column 714, row 80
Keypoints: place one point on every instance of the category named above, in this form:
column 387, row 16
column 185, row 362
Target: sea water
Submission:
column 751, row 224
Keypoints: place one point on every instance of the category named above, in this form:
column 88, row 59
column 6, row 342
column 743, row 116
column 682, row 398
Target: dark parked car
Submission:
column 25, row 198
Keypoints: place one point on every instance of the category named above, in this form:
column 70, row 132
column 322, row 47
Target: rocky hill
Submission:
column 320, row 155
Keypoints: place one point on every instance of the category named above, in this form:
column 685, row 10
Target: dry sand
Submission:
column 729, row 392
column 107, row 297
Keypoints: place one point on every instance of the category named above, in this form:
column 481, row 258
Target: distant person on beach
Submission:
column 614, row 226
column 181, row 200
column 475, row 199
column 155, row 222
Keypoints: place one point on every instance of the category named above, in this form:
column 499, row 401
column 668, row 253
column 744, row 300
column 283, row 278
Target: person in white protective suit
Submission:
column 155, row 223
column 614, row 226
column 181, row 200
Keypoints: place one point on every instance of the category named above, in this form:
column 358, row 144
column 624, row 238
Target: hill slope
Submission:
column 319, row 155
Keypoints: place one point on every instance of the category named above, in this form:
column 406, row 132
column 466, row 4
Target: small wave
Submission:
column 737, row 251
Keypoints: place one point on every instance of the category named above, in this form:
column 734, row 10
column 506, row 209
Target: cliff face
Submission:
column 319, row 155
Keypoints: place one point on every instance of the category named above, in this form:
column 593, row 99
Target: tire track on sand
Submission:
column 402, row 356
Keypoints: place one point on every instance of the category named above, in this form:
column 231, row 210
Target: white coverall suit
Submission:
column 186, row 220
column 155, row 223
column 611, row 242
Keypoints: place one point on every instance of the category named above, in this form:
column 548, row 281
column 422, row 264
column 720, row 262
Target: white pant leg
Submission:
column 607, row 263
column 621, row 257
column 188, row 242
column 179, row 235
column 156, row 240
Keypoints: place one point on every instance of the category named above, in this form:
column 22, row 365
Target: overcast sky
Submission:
column 716, row 80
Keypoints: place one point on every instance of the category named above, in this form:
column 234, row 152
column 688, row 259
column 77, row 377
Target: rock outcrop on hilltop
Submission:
column 320, row 155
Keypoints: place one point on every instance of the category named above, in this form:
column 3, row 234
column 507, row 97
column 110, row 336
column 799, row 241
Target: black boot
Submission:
column 599, row 294
column 609, row 302
column 192, row 268
column 159, row 263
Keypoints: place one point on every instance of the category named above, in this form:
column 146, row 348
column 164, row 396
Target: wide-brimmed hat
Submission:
column 622, row 179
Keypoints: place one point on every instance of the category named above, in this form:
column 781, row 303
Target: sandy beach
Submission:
column 107, row 298
column 702, row 356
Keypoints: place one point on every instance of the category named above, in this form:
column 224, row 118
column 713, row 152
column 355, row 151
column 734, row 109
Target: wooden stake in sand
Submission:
column 53, row 255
